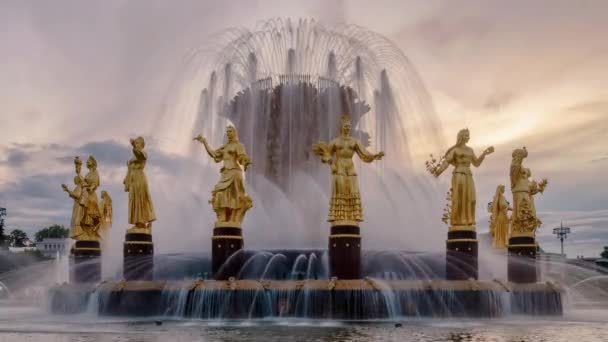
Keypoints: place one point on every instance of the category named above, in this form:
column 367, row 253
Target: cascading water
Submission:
column 284, row 85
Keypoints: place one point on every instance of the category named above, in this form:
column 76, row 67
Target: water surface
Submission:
column 20, row 322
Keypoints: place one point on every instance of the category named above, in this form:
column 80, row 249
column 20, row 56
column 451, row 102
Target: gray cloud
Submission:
column 600, row 159
column 15, row 157
column 102, row 70
column 35, row 198
column 109, row 152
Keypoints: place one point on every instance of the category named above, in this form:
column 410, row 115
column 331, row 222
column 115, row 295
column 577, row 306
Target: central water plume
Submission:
column 284, row 86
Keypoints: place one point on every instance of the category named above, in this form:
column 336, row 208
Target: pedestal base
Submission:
column 345, row 252
column 522, row 260
column 138, row 263
column 226, row 261
column 461, row 255
column 85, row 262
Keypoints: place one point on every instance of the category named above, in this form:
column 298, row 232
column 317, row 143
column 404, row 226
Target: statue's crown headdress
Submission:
column 77, row 161
column 92, row 159
column 140, row 140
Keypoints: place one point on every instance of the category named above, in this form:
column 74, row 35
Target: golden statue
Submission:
column 524, row 220
column 499, row 219
column 77, row 196
column 105, row 208
column 228, row 198
column 345, row 203
column 91, row 217
column 463, row 201
column 141, row 209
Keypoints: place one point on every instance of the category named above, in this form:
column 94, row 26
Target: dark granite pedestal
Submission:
column 227, row 242
column 85, row 262
column 138, row 263
column 345, row 252
column 461, row 255
column 522, row 260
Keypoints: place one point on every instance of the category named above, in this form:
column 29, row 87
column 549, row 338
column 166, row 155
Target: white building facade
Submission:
column 50, row 246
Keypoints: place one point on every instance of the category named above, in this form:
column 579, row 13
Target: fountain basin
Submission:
column 358, row 299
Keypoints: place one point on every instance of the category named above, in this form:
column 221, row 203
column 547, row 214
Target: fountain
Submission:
column 281, row 93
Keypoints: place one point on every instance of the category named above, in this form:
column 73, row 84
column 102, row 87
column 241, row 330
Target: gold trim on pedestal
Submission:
column 139, row 230
column 139, row 243
column 344, row 223
column 234, row 237
column 523, row 234
column 525, row 245
column 337, row 236
column 462, row 240
column 87, row 249
column 227, row 225
column 470, row 228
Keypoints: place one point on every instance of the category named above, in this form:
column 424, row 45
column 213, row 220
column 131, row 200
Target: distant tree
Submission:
column 605, row 253
column 17, row 238
column 3, row 237
column 55, row 231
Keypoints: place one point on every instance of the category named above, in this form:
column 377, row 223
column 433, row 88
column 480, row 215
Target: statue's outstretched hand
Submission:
column 489, row 150
column 200, row 139
column 64, row 187
column 379, row 156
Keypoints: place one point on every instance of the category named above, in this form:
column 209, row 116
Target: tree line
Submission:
column 19, row 238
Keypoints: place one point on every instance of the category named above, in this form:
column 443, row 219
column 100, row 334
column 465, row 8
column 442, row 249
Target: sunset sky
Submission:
column 80, row 77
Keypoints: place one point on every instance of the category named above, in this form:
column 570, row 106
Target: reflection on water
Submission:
column 28, row 323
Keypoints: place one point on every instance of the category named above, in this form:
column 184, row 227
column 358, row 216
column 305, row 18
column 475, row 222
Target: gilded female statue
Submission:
column 141, row 209
column 91, row 217
column 463, row 197
column 105, row 208
column 499, row 221
column 517, row 159
column 345, row 203
column 228, row 198
column 524, row 219
column 77, row 196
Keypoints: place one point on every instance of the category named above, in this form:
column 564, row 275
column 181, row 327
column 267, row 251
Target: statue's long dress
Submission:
column 229, row 192
column 77, row 195
column 91, row 216
column 500, row 222
column 523, row 190
column 345, row 202
column 463, row 187
column 141, row 209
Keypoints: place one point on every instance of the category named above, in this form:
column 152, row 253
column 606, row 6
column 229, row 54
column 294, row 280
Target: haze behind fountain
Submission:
column 314, row 73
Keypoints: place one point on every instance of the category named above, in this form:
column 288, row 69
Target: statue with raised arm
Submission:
column 524, row 219
column 77, row 197
column 141, row 208
column 228, row 198
column 463, row 197
column 91, row 217
column 499, row 219
column 345, row 202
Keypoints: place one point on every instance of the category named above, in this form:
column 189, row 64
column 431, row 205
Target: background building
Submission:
column 50, row 246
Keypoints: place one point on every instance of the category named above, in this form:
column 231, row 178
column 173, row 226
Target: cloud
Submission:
column 107, row 152
column 80, row 81
column 600, row 159
column 34, row 198
column 15, row 157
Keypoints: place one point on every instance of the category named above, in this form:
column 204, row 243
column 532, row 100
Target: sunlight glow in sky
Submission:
column 516, row 73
